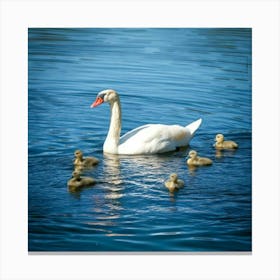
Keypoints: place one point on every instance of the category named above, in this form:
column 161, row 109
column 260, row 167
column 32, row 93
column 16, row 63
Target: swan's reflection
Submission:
column 143, row 171
column 134, row 177
column 107, row 205
column 148, row 170
column 112, row 182
column 111, row 169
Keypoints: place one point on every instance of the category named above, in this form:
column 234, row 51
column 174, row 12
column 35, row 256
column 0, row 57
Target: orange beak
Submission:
column 97, row 102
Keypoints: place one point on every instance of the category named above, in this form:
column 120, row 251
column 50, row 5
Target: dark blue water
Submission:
column 169, row 76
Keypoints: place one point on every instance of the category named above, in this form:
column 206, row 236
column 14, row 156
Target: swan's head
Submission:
column 192, row 154
column 173, row 177
column 219, row 138
column 107, row 95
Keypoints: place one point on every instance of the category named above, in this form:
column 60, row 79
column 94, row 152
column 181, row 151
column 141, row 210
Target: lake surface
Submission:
column 168, row 76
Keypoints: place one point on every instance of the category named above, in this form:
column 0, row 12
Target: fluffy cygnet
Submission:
column 195, row 160
column 221, row 144
column 173, row 183
column 77, row 182
column 80, row 161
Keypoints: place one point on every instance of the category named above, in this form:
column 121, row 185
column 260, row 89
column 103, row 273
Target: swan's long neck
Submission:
column 112, row 140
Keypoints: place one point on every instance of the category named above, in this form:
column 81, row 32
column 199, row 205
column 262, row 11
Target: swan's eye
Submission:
column 102, row 95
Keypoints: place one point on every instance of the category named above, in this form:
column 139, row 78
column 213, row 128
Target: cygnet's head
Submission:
column 219, row 137
column 192, row 154
column 76, row 174
column 173, row 177
column 107, row 95
column 78, row 153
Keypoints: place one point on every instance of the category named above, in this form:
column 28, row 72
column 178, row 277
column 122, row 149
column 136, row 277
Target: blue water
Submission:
column 169, row 76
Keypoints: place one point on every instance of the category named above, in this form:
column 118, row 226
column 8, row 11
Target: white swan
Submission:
column 146, row 139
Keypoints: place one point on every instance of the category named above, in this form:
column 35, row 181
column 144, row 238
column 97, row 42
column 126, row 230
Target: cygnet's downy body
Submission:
column 195, row 160
column 222, row 144
column 173, row 183
column 77, row 181
column 81, row 162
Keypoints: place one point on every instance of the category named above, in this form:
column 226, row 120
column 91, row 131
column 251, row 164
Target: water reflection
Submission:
column 105, row 213
column 107, row 204
column 158, row 86
column 222, row 153
column 172, row 199
column 148, row 170
column 192, row 169
column 144, row 171
column 111, row 170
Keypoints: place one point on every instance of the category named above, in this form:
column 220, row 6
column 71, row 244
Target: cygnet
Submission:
column 173, row 183
column 86, row 162
column 222, row 144
column 77, row 182
column 195, row 160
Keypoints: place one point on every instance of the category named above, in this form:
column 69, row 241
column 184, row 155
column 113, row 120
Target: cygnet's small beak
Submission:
column 99, row 100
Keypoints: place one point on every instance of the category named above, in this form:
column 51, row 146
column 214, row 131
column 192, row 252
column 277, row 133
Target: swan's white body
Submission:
column 146, row 139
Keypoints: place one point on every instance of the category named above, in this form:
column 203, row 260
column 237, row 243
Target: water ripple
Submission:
column 171, row 76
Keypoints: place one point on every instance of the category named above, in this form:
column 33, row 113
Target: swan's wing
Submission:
column 133, row 132
column 156, row 138
column 176, row 129
column 194, row 126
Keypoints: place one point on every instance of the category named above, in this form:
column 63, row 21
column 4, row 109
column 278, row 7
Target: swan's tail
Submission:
column 194, row 126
